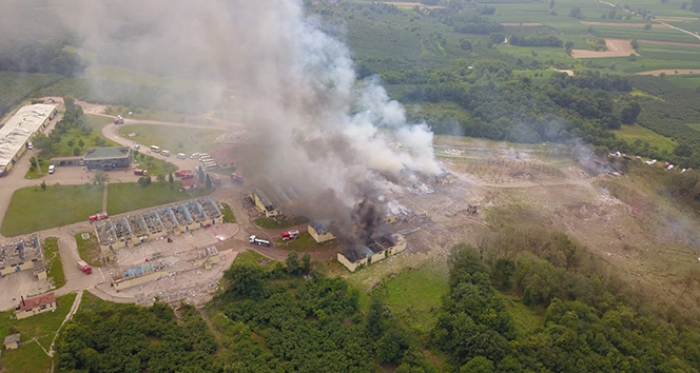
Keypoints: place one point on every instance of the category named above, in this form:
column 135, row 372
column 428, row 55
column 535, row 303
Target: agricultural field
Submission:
column 33, row 209
column 637, row 132
column 178, row 140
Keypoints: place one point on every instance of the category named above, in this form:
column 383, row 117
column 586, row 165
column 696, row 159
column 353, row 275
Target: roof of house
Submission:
column 96, row 154
column 38, row 301
column 189, row 183
column 225, row 156
column 12, row 338
column 18, row 129
column 319, row 227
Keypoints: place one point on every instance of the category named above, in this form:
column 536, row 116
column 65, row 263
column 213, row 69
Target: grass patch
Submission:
column 526, row 321
column 635, row 132
column 178, row 140
column 32, row 209
column 88, row 249
column 39, row 325
column 281, row 221
column 415, row 296
column 228, row 213
column 29, row 358
column 124, row 197
column 154, row 166
column 32, row 173
column 251, row 257
column 53, row 262
column 305, row 243
column 92, row 303
column 695, row 126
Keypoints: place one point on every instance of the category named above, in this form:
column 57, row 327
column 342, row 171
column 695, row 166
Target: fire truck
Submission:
column 290, row 235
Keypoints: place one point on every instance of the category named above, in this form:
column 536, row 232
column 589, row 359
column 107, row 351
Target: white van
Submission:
column 52, row 169
column 155, row 149
column 165, row 153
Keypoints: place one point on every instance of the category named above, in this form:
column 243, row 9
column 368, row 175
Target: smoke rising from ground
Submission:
column 314, row 128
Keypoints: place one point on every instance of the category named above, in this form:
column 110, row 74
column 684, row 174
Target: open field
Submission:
column 521, row 24
column 281, row 221
column 29, row 358
column 39, row 325
column 305, row 243
column 411, row 4
column 695, row 126
column 124, row 197
column 616, row 48
column 33, row 209
column 176, row 139
column 637, row 132
column 623, row 24
column 670, row 72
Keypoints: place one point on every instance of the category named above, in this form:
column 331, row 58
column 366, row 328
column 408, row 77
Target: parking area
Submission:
column 22, row 283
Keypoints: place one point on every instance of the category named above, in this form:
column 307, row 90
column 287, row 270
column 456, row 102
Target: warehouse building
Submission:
column 108, row 158
column 380, row 248
column 262, row 203
column 319, row 231
column 17, row 132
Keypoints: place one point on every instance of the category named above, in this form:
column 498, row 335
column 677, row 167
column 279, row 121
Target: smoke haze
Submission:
column 314, row 128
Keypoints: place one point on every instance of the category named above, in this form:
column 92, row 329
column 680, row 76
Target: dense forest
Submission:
column 290, row 318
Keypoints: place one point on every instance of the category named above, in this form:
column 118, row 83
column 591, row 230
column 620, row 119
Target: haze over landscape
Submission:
column 349, row 186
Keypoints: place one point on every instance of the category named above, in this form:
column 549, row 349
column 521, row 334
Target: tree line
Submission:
column 48, row 57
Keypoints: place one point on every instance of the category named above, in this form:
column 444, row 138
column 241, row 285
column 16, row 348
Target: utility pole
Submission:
column 36, row 159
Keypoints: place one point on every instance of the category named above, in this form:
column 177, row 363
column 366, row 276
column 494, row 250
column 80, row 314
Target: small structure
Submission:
column 207, row 258
column 67, row 161
column 12, row 341
column 319, row 231
column 107, row 158
column 36, row 305
column 262, row 203
column 378, row 249
column 472, row 208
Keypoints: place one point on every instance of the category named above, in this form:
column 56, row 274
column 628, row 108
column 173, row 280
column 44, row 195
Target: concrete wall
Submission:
column 23, row 267
column 35, row 311
column 136, row 281
column 320, row 237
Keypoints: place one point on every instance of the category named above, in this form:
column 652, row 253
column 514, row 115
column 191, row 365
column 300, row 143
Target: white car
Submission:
column 52, row 169
column 195, row 156
column 181, row 156
column 165, row 153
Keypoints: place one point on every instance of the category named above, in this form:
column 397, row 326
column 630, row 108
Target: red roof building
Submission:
column 36, row 305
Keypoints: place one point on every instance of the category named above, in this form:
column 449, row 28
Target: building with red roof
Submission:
column 35, row 305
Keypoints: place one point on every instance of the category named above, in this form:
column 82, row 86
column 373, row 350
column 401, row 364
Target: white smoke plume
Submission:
column 315, row 128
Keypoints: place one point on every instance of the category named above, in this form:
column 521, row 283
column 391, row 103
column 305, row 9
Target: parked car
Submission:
column 52, row 169
column 165, row 153
column 30, row 146
column 140, row 172
column 195, row 156
column 181, row 156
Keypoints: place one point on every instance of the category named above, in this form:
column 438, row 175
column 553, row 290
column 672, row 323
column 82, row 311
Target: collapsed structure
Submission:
column 132, row 230
column 16, row 133
column 262, row 203
column 23, row 254
column 319, row 231
column 377, row 249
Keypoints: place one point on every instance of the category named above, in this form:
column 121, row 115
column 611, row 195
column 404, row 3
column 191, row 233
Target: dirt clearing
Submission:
column 670, row 72
column 521, row 24
column 616, row 48
column 567, row 72
column 623, row 24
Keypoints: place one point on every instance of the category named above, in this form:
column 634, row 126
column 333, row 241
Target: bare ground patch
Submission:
column 521, row 24
column 670, row 72
column 623, row 24
column 616, row 48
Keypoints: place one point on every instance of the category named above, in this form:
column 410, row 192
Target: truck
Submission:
column 184, row 173
column 236, row 178
column 140, row 172
column 84, row 267
column 98, row 217
column 119, row 120
column 290, row 235
column 258, row 241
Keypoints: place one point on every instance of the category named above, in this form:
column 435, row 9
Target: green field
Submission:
column 251, row 257
column 29, row 358
column 415, row 296
column 32, row 209
column 154, row 166
column 176, row 139
column 88, row 249
column 54, row 265
column 38, row 325
column 124, row 197
column 281, row 221
column 228, row 214
column 637, row 132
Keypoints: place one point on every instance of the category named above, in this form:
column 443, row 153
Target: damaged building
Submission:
column 138, row 275
column 319, row 231
column 262, row 203
column 23, row 254
column 379, row 248
column 117, row 233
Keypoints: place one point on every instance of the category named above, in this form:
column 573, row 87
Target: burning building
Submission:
column 262, row 203
column 319, row 231
column 376, row 249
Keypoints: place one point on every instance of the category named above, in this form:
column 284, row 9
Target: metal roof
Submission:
column 15, row 133
column 115, row 152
